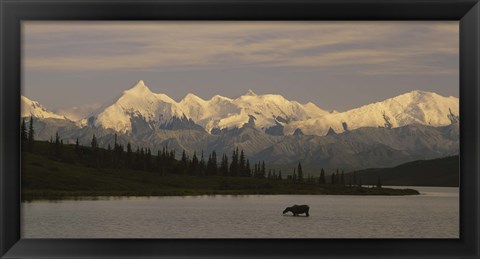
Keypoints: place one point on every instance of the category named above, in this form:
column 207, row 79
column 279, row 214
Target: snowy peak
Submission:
column 415, row 107
column 140, row 86
column 138, row 103
column 250, row 92
column 313, row 110
column 140, row 96
column 220, row 98
column 416, row 97
column 139, row 89
column 35, row 109
column 195, row 107
column 191, row 98
column 270, row 110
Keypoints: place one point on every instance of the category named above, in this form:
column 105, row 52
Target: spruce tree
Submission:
column 241, row 164
column 23, row 135
column 337, row 177
column 108, row 157
column 263, row 170
column 129, row 155
column 148, row 159
column 142, row 159
column 184, row 162
column 31, row 133
column 214, row 162
column 209, row 170
column 300, row 172
column 136, row 161
column 234, row 165
column 214, row 166
column 57, row 145
column 94, row 159
column 94, row 142
column 194, row 164
column 77, row 146
column 51, row 147
column 224, row 165
column 116, row 152
column 201, row 165
column 159, row 159
column 321, row 179
column 248, row 172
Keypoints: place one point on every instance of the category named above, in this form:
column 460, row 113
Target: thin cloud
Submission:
column 372, row 47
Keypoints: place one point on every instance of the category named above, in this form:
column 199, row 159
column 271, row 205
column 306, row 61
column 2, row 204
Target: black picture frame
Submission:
column 13, row 12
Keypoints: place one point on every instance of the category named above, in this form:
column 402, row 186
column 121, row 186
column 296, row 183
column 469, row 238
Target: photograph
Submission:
column 240, row 129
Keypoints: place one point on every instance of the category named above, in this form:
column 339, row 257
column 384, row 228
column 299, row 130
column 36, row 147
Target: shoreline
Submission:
column 88, row 195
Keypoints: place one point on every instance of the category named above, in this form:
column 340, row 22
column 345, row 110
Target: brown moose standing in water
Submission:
column 298, row 209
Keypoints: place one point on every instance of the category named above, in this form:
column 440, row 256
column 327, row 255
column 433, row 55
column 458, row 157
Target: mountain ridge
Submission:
column 35, row 109
column 434, row 172
column 355, row 149
column 272, row 113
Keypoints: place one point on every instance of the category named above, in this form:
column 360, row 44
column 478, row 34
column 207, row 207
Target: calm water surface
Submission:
column 433, row 214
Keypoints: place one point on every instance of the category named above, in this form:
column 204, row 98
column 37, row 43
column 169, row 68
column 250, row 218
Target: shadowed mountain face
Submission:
column 365, row 147
column 182, row 123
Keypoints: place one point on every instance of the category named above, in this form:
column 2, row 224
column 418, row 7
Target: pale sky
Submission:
column 336, row 65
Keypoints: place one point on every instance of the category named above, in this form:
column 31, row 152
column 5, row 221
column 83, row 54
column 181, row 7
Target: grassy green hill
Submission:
column 435, row 172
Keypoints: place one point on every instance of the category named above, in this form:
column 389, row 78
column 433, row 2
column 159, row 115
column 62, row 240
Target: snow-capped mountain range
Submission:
column 411, row 126
column 270, row 112
column 219, row 112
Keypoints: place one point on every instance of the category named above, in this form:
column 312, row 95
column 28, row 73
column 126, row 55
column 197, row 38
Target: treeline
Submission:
column 339, row 178
column 165, row 162
column 27, row 136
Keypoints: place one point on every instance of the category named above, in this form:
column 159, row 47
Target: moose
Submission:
column 298, row 209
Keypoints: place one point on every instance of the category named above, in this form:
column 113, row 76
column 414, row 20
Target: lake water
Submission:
column 433, row 214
